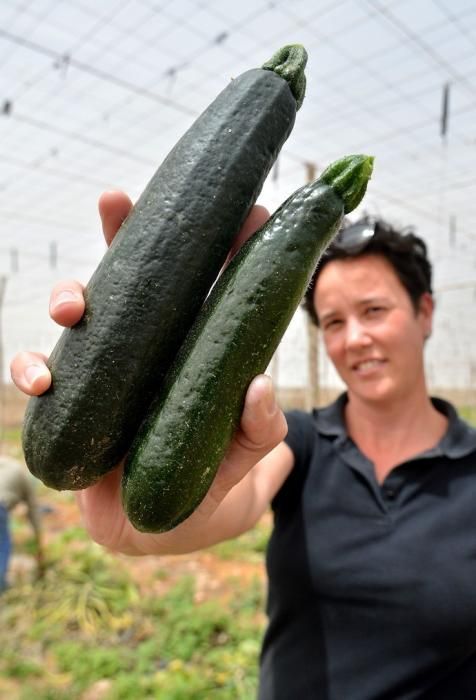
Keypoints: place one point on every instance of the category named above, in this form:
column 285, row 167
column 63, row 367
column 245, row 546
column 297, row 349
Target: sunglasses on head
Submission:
column 355, row 237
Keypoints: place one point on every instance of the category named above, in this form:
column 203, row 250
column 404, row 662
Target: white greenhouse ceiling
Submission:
column 93, row 95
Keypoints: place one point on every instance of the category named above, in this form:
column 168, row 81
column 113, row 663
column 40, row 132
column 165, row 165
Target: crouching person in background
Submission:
column 16, row 487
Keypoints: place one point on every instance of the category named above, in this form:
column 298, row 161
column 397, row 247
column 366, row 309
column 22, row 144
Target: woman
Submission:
column 371, row 564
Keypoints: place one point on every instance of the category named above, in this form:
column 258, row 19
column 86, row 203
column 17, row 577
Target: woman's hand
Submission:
column 28, row 369
column 263, row 427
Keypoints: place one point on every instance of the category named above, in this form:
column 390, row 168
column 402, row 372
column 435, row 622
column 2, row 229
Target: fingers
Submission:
column 263, row 427
column 256, row 218
column 30, row 373
column 262, row 424
column 113, row 209
column 115, row 206
column 102, row 513
column 67, row 302
column 29, row 370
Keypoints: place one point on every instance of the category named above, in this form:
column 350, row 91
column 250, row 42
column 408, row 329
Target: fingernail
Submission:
column 32, row 372
column 64, row 297
column 270, row 397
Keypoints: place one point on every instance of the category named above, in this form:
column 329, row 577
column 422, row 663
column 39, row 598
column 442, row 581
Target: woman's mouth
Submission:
column 367, row 366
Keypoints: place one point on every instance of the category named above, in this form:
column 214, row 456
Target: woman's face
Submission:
column 371, row 331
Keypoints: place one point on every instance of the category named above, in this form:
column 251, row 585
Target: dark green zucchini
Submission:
column 181, row 443
column 147, row 290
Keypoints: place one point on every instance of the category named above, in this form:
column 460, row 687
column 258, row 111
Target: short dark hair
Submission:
column 406, row 252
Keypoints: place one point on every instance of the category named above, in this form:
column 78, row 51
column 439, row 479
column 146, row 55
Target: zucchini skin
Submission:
column 150, row 284
column 180, row 445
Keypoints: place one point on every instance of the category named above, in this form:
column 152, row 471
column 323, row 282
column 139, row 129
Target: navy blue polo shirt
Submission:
column 372, row 587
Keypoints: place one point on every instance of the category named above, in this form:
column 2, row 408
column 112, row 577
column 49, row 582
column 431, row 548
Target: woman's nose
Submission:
column 356, row 333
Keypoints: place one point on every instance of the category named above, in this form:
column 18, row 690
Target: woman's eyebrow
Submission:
column 372, row 300
column 365, row 301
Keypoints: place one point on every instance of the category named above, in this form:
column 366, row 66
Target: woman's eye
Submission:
column 374, row 310
column 332, row 324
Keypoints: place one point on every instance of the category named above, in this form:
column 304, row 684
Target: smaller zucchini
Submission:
column 181, row 443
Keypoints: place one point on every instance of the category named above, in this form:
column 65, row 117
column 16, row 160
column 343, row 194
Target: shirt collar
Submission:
column 458, row 441
column 330, row 419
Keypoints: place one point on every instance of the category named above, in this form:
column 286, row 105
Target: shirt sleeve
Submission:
column 300, row 432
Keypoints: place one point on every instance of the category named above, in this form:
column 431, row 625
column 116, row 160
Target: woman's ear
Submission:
column 426, row 307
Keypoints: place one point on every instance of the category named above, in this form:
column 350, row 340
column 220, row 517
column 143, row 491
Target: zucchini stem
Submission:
column 289, row 62
column 349, row 177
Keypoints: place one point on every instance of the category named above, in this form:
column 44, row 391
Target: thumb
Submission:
column 263, row 426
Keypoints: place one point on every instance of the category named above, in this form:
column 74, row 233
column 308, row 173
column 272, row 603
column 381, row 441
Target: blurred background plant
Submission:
column 104, row 627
